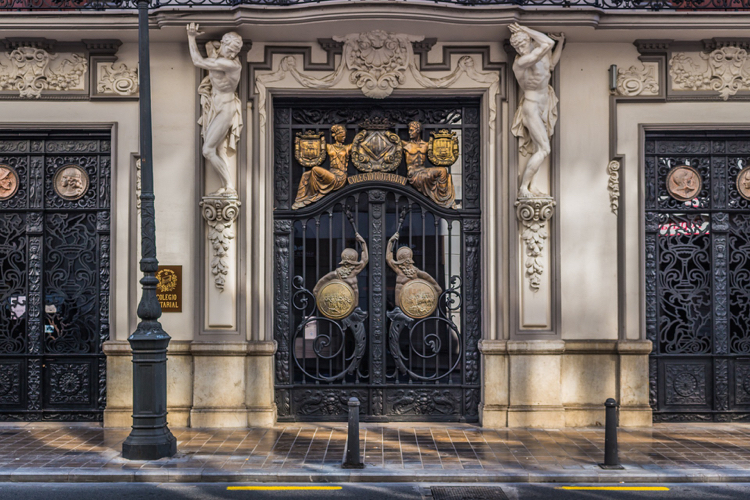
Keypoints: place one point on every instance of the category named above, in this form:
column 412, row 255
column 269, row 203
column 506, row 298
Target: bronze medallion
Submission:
column 743, row 183
column 442, row 149
column 418, row 299
column 310, row 148
column 683, row 183
column 336, row 299
column 71, row 182
column 376, row 151
column 8, row 181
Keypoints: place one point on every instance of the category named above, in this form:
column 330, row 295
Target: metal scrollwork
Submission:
column 327, row 343
column 427, row 336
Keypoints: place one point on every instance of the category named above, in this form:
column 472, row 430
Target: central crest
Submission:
column 375, row 148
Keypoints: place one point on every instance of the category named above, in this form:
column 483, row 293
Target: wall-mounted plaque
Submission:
column 743, row 183
column 169, row 289
column 71, row 182
column 8, row 182
column 683, row 183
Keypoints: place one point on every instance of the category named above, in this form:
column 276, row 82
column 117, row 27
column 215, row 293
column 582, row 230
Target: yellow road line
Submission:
column 282, row 488
column 614, row 488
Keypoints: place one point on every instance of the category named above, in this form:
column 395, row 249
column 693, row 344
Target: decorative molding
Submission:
column 377, row 71
column 220, row 213
column 138, row 185
column 725, row 71
column 613, row 170
column 534, row 213
column 117, row 80
column 30, row 71
column 633, row 81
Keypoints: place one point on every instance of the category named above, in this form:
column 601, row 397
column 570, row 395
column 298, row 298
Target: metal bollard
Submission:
column 351, row 455
column 611, row 459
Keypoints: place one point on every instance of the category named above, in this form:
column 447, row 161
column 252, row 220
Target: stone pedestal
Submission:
column 533, row 215
column 634, row 408
column 259, row 396
column 218, row 385
column 493, row 410
column 220, row 213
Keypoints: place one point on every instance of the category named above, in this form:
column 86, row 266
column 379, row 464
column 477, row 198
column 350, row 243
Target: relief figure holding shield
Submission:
column 434, row 182
column 319, row 181
column 417, row 292
column 337, row 293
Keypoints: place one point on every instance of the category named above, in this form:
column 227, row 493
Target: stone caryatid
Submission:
column 434, row 182
column 318, row 181
column 221, row 118
column 536, row 115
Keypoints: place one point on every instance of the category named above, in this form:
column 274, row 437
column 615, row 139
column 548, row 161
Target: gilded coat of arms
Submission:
column 442, row 150
column 375, row 148
column 310, row 148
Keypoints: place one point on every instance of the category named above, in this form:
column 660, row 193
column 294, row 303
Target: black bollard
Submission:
column 611, row 459
column 351, row 455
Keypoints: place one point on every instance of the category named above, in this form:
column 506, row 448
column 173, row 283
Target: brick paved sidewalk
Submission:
column 392, row 452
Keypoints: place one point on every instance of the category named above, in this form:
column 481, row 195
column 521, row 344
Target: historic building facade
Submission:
column 454, row 212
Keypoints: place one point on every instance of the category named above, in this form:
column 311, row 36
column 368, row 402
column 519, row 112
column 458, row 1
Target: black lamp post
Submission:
column 150, row 438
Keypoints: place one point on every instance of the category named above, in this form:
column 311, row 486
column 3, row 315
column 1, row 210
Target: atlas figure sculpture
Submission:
column 535, row 118
column 221, row 118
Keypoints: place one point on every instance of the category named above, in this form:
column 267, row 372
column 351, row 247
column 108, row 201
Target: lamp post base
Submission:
column 149, row 447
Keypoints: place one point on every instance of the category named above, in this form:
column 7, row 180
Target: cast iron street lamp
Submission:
column 150, row 438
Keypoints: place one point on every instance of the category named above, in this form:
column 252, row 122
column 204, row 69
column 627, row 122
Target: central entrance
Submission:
column 377, row 259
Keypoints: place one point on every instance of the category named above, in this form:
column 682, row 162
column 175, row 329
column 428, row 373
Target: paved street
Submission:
column 380, row 491
column 391, row 452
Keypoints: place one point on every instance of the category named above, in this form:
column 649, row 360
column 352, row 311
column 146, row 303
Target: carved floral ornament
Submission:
column 117, row 79
column 634, row 81
column 30, row 70
column 724, row 70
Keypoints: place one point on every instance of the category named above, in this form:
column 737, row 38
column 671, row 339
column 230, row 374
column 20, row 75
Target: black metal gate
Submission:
column 54, row 259
column 697, row 195
column 400, row 367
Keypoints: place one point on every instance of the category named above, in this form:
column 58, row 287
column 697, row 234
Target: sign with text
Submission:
column 169, row 289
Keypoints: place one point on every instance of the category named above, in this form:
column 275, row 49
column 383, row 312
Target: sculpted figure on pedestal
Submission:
column 318, row 181
column 434, row 182
column 536, row 115
column 221, row 118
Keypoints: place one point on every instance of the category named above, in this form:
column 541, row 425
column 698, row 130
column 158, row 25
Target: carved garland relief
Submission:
column 31, row 70
column 725, row 71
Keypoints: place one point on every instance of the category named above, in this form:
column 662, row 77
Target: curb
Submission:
column 176, row 475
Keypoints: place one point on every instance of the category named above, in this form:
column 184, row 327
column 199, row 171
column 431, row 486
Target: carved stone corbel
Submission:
column 533, row 214
column 220, row 213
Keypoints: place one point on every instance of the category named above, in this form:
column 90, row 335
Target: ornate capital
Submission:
column 220, row 213
column 533, row 213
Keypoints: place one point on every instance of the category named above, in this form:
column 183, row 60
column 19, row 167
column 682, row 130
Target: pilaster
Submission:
column 259, row 394
column 218, row 385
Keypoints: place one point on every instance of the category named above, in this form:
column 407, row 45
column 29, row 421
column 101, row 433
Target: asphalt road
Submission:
column 371, row 491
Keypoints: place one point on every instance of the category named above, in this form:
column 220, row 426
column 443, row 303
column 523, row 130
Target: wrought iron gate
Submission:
column 413, row 357
column 54, row 259
column 698, row 275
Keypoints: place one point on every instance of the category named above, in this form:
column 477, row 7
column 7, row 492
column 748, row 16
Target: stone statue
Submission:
column 434, row 182
column 406, row 271
column 536, row 115
column 348, row 269
column 221, row 118
column 318, row 181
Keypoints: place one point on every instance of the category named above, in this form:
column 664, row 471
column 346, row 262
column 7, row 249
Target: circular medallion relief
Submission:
column 743, row 183
column 336, row 299
column 418, row 299
column 8, row 181
column 685, row 385
column 683, row 183
column 71, row 182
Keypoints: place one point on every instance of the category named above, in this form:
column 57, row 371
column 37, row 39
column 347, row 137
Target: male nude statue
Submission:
column 348, row 269
column 221, row 120
column 405, row 269
column 536, row 115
